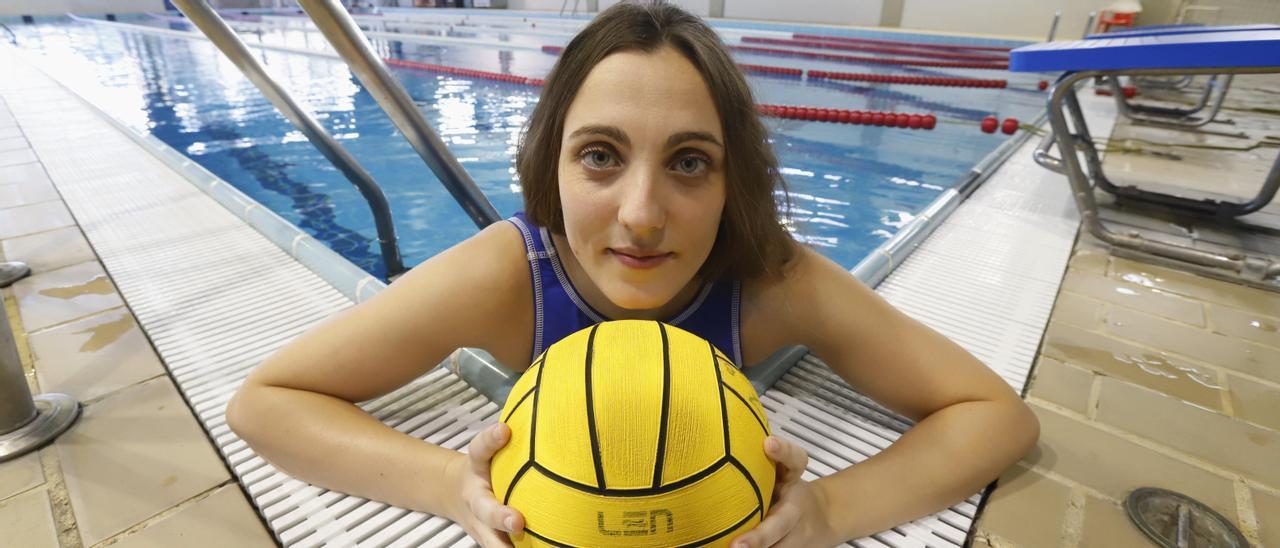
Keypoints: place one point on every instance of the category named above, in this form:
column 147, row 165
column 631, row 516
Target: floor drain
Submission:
column 1174, row 520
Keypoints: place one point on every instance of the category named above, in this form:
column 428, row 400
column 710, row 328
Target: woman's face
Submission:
column 641, row 176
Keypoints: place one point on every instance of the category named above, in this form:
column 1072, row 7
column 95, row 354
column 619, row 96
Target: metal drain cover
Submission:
column 1174, row 520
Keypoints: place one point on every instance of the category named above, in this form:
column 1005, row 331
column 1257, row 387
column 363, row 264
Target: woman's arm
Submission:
column 970, row 423
column 297, row 409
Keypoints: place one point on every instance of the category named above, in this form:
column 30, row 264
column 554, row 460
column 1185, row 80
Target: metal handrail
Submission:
column 345, row 36
column 12, row 37
column 211, row 24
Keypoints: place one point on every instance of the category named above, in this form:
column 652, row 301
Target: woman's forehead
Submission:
column 658, row 91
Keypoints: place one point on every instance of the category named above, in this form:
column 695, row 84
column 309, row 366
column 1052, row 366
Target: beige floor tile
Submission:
column 1065, row 385
column 1115, row 466
column 15, row 157
column 1267, row 507
column 20, row 474
column 29, row 219
column 49, row 250
column 1245, row 325
column 1027, row 508
column 1146, row 299
column 1254, row 401
column 22, row 173
column 1198, row 287
column 26, row 521
column 1227, row 442
column 1212, row 348
column 94, row 356
column 223, row 519
column 27, row 193
column 64, row 295
column 1169, row 374
column 1106, row 524
column 1078, row 310
column 132, row 455
column 1090, row 260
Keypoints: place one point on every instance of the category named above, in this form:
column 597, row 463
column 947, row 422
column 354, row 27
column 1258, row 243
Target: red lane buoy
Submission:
column 1043, row 85
column 1010, row 126
column 930, row 121
column 989, row 124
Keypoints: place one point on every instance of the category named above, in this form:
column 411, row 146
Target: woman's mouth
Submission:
column 641, row 260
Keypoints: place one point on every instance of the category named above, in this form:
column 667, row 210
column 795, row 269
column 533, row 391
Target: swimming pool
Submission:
column 852, row 186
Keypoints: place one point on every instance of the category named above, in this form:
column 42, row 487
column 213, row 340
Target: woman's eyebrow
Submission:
column 608, row 131
column 685, row 136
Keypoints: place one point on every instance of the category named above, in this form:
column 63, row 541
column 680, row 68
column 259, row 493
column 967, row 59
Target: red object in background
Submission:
column 1010, row 126
column 1108, row 19
column 989, row 124
column 1129, row 91
column 1043, row 85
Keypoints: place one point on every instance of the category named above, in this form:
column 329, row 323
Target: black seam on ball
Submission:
column 750, row 479
column 749, row 408
column 591, row 415
column 666, row 404
column 519, row 403
column 724, row 409
column 511, row 487
column 547, row 540
column 726, row 531
column 533, row 421
column 643, row 492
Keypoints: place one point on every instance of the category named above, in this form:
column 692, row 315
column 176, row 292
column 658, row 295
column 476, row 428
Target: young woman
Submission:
column 649, row 193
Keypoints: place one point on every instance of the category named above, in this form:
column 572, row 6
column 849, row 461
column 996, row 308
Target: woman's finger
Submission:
column 489, row 538
column 791, row 458
column 493, row 514
column 780, row 521
column 484, row 445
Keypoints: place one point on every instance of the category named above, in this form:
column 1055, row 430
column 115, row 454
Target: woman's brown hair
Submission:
column 751, row 241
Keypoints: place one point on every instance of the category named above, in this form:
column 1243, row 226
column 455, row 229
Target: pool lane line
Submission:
column 819, row 44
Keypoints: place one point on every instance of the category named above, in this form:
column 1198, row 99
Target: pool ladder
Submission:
column 344, row 35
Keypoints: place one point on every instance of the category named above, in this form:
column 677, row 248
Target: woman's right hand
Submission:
column 475, row 508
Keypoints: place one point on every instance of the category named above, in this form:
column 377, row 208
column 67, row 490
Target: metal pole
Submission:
column 1088, row 26
column 345, row 37
column 207, row 20
column 27, row 423
column 1053, row 28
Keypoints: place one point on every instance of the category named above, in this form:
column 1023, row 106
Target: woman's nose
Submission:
column 640, row 207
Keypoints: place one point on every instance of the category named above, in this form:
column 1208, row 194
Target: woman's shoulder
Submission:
column 481, row 284
column 790, row 307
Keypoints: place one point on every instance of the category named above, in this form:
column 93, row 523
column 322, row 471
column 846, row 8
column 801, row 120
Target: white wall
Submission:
column 56, row 7
column 834, row 12
column 1016, row 17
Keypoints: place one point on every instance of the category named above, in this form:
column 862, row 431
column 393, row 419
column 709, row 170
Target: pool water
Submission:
column 852, row 186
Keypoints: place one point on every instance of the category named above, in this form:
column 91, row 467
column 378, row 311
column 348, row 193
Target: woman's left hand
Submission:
column 798, row 515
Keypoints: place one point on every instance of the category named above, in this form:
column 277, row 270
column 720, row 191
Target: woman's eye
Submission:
column 692, row 165
column 596, row 158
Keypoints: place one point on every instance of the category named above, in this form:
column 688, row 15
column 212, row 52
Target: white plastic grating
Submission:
column 216, row 298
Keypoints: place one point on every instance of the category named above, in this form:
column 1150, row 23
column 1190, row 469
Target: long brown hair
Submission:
column 751, row 241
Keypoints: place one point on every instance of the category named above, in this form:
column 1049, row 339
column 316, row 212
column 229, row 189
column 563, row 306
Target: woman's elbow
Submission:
column 239, row 412
column 1026, row 426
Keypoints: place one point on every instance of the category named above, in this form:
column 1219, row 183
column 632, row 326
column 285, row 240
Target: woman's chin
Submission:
column 639, row 299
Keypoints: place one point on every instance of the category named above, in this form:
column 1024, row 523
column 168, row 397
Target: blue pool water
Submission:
column 852, row 186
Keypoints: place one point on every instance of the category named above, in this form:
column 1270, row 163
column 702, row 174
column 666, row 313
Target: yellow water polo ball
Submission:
column 634, row 433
